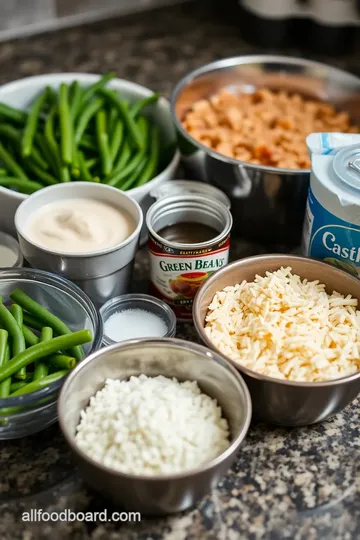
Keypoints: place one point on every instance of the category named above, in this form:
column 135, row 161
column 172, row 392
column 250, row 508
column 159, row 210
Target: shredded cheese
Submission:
column 288, row 328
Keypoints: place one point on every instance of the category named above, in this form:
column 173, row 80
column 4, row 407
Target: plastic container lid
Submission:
column 10, row 252
column 346, row 165
column 143, row 302
column 185, row 187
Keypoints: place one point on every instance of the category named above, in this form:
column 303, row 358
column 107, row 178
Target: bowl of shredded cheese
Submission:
column 291, row 326
column 150, row 425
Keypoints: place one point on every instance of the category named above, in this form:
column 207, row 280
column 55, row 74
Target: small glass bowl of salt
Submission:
column 133, row 316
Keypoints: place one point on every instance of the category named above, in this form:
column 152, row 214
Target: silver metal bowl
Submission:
column 172, row 358
column 267, row 203
column 286, row 403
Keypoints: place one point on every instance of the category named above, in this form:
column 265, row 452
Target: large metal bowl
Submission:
column 267, row 203
column 286, row 403
column 164, row 494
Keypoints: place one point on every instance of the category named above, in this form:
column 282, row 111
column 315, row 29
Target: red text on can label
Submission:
column 176, row 274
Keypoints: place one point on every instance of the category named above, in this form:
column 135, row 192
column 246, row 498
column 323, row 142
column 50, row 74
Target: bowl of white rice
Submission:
column 150, row 424
column 291, row 326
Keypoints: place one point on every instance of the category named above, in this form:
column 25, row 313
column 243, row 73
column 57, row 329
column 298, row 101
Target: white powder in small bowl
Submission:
column 134, row 323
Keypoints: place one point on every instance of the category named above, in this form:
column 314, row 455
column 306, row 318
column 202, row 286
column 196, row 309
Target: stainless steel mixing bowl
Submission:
column 170, row 357
column 277, row 401
column 267, row 203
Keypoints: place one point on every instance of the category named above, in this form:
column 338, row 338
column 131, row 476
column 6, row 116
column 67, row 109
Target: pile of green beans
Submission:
column 80, row 134
column 36, row 347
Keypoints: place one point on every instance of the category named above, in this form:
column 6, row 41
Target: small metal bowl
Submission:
column 144, row 302
column 286, row 403
column 156, row 495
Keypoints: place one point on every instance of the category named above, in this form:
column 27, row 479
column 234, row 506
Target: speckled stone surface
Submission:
column 298, row 484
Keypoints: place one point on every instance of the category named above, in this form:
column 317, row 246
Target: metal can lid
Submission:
column 346, row 165
column 186, row 187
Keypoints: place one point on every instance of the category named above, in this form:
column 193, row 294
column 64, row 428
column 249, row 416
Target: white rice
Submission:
column 152, row 426
column 288, row 328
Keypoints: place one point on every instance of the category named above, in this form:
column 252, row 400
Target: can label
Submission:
column 176, row 274
column 330, row 238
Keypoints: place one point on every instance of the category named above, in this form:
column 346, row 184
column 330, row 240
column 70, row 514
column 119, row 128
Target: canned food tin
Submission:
column 189, row 239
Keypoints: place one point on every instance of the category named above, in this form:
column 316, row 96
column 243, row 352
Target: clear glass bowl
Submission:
column 38, row 410
column 144, row 302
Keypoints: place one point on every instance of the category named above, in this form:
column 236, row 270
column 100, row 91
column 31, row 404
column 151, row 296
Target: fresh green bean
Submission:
column 10, row 113
column 46, row 152
column 32, row 321
column 18, row 346
column 90, row 163
column 75, row 170
column 144, row 128
column 51, row 96
column 151, row 167
column 32, row 123
column 113, row 118
column 41, row 368
column 116, row 178
column 39, row 383
column 130, row 181
column 14, row 134
column 11, row 164
column 103, row 142
column 87, row 143
column 66, row 126
column 44, row 315
column 30, row 338
column 142, row 103
column 91, row 90
column 24, row 186
column 42, row 175
column 85, row 117
column 75, row 102
column 116, row 140
column 85, row 175
column 42, row 350
column 4, row 357
column 125, row 115
column 17, row 385
column 3, row 343
column 124, row 156
column 62, row 361
column 61, row 170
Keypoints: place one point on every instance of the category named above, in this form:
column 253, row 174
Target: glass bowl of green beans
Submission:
column 47, row 326
column 81, row 127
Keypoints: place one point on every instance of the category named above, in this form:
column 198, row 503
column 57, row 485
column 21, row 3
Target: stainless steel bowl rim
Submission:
column 173, row 342
column 29, row 273
column 254, row 374
column 232, row 62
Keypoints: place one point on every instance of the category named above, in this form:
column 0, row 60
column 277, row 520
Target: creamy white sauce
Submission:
column 79, row 226
column 8, row 257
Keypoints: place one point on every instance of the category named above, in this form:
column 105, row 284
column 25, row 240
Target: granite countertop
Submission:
column 301, row 484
